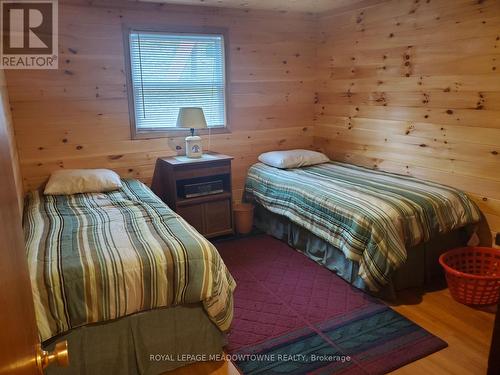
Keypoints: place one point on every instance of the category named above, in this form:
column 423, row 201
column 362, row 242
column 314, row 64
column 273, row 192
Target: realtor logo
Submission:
column 29, row 37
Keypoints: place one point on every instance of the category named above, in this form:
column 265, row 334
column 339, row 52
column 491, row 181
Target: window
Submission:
column 169, row 71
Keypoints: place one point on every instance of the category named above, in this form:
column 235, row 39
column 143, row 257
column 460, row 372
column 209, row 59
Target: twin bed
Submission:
column 379, row 231
column 121, row 276
column 132, row 287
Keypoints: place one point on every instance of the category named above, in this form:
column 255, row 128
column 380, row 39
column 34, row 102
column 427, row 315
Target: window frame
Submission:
column 174, row 132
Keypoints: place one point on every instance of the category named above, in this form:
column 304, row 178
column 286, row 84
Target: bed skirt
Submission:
column 421, row 269
column 148, row 343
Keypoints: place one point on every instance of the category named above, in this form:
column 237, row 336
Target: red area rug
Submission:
column 293, row 316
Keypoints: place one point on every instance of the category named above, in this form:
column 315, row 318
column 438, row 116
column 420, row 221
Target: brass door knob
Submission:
column 58, row 356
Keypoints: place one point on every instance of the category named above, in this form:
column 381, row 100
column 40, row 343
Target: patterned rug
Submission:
column 293, row 316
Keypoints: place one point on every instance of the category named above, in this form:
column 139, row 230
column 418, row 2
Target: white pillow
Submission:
column 74, row 181
column 292, row 158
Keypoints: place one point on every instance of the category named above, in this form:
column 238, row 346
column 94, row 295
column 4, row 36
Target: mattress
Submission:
column 371, row 216
column 98, row 257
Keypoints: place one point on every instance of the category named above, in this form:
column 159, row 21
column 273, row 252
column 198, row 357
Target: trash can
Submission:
column 243, row 217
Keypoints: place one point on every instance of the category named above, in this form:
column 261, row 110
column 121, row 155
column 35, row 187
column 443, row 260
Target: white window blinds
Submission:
column 170, row 71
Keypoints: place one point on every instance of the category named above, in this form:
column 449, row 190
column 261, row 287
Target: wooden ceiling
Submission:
column 315, row 6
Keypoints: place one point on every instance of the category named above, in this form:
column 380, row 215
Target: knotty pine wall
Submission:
column 77, row 116
column 413, row 87
column 406, row 86
column 6, row 118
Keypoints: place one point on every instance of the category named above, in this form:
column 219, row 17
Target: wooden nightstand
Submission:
column 210, row 214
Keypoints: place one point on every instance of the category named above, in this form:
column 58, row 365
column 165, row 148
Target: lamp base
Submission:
column 194, row 148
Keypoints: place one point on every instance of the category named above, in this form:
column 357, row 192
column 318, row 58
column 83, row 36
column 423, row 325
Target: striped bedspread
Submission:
column 371, row 216
column 97, row 257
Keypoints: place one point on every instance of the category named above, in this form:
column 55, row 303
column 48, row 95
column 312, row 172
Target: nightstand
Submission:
column 197, row 189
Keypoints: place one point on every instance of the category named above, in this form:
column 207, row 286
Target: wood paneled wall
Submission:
column 6, row 118
column 408, row 86
column 77, row 116
column 413, row 87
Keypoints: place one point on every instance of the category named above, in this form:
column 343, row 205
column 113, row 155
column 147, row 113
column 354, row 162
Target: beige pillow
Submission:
column 74, row 181
column 292, row 158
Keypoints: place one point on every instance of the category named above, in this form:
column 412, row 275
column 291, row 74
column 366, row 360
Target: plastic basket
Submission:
column 473, row 274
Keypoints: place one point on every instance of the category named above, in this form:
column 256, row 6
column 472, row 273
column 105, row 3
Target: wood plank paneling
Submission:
column 6, row 118
column 413, row 87
column 77, row 116
column 278, row 5
column 407, row 86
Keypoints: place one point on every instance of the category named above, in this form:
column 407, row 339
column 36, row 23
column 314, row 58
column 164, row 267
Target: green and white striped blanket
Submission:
column 97, row 257
column 371, row 216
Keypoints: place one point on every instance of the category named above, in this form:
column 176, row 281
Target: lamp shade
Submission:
column 191, row 118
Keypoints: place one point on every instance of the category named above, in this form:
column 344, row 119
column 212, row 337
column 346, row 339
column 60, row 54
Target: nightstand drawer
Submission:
column 196, row 171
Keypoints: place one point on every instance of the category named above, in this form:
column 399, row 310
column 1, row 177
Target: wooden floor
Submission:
column 466, row 330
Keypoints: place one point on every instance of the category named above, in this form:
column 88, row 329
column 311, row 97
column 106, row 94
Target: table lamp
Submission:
column 192, row 118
